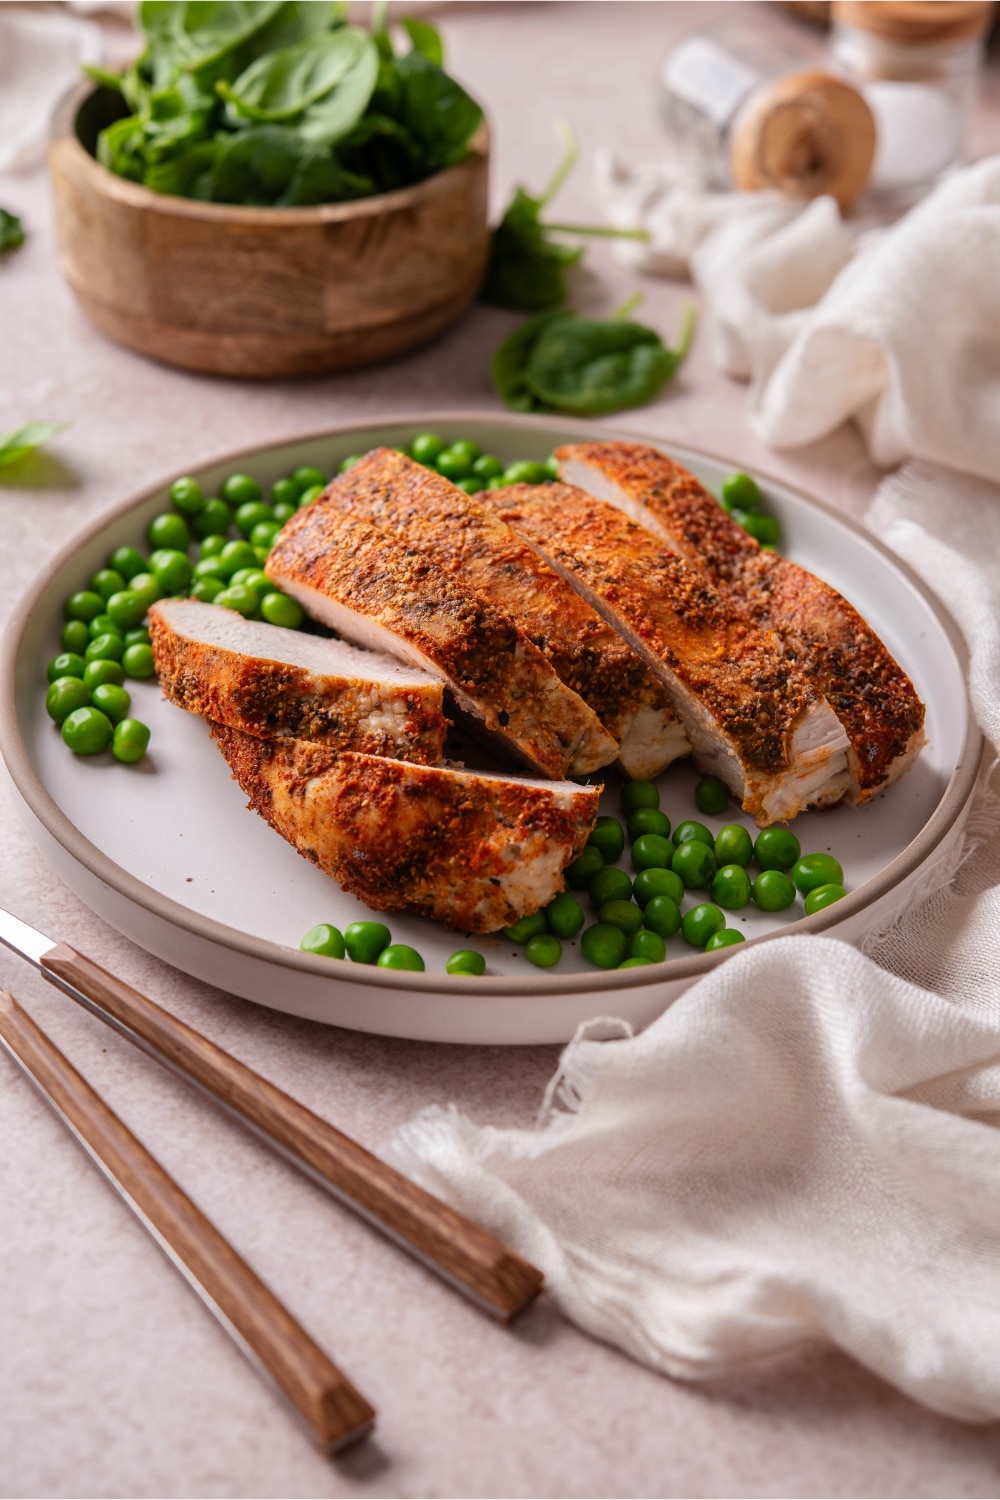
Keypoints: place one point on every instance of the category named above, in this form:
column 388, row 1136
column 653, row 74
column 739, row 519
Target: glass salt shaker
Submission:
column 744, row 111
column 918, row 66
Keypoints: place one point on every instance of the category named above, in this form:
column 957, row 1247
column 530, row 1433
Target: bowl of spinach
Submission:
column 271, row 190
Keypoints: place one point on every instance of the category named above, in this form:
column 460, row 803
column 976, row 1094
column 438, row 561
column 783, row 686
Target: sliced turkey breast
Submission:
column 472, row 850
column 867, row 689
column 270, row 681
column 377, row 589
column 750, row 716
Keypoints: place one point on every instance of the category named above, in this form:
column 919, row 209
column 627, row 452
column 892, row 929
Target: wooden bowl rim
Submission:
column 109, row 185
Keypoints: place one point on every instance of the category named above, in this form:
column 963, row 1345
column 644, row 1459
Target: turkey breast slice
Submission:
column 473, row 850
column 868, row 690
column 750, row 716
column 372, row 586
column 270, row 682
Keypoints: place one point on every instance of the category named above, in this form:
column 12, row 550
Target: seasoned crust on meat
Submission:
column 275, row 682
column 471, row 850
column 870, row 693
column 379, row 590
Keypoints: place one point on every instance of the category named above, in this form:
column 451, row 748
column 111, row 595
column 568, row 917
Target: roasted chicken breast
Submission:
column 870, row 693
column 274, row 682
column 751, row 717
column 472, row 850
column 374, row 587
column 465, row 539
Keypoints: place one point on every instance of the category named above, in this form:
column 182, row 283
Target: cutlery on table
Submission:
column 261, row 1326
column 461, row 1251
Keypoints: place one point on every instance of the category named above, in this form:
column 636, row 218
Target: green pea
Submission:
column 236, row 555
column 581, row 871
column 655, row 882
column 701, row 923
column 280, row 609
column 138, row 661
column 112, row 700
column 552, row 467
column 454, row 465
column 127, row 561
column 169, row 530
column 487, row 467
column 635, row 963
column 776, row 849
column 426, row 447
column 727, row 938
column 107, row 582
column 284, row 512
column 138, row 637
column 608, row 835
column 308, row 477
column 740, row 490
column 96, row 672
column 75, row 636
column 285, row 491
column 214, row 519
column 647, row 820
column 84, row 605
column 526, row 472
column 544, row 950
column 604, row 945
column 662, row 916
column 130, row 741
column 364, row 941
column 252, row 578
column 647, row 944
column 711, row 795
column 186, row 494
column 823, row 895
column 400, row 956
column 690, row 832
column 733, row 845
column 145, row 587
column 623, row 914
column 105, row 648
column 764, row 528
column 466, row 961
column 731, row 888
column 469, row 451
column 247, row 516
column 207, row 589
column 636, row 794
column 238, row 597
column 263, row 534
column 564, row 915
column 103, row 625
column 651, row 852
column 64, row 697
column 470, row 485
column 813, row 870
column 773, row 891
column 695, row 863
column 345, row 464
column 525, row 928
column 68, row 664
column 87, row 731
column 496, row 484
column 307, row 497
column 241, row 489
column 210, row 546
column 609, row 884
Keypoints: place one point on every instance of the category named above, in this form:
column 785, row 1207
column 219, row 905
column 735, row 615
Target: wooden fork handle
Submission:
column 461, row 1251
column 336, row 1413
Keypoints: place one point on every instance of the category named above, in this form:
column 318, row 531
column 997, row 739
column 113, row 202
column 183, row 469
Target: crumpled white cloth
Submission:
column 804, row 1145
column 42, row 53
column 897, row 329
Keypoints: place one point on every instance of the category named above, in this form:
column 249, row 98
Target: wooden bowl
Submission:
column 264, row 292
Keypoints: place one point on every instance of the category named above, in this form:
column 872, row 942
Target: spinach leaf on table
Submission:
column 23, row 440
column 11, row 231
column 583, row 366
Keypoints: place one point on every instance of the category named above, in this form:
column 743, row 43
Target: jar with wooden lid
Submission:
column 918, row 66
column 744, row 111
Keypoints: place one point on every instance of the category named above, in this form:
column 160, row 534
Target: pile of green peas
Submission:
column 371, row 943
column 740, row 496
column 468, row 467
column 638, row 914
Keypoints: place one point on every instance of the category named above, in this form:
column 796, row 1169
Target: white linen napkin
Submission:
column 41, row 57
column 897, row 328
column 804, row 1145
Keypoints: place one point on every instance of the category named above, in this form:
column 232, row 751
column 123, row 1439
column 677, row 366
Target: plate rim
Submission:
column 59, row 826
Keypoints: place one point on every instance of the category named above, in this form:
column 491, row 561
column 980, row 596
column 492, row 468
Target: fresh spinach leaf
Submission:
column 122, row 148
column 11, row 231
column 510, row 363
column 255, row 166
column 25, row 439
column 201, row 32
column 426, row 39
column 281, row 85
column 435, row 110
column 186, row 175
column 337, row 112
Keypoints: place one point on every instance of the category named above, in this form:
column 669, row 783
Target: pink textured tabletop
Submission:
column 113, row 1379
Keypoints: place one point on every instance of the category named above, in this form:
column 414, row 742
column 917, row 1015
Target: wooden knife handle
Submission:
column 461, row 1251
column 336, row 1413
